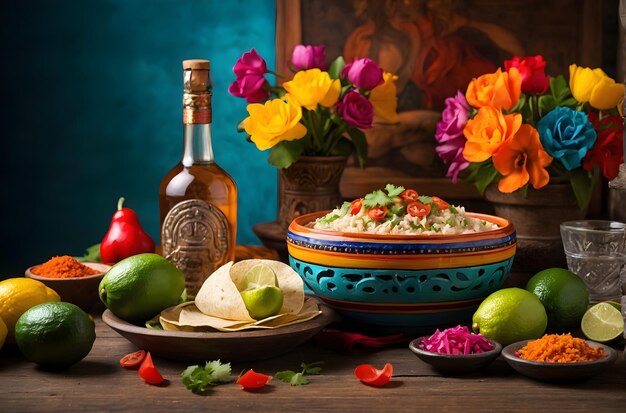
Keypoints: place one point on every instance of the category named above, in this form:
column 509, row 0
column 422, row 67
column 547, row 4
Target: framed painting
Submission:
column 435, row 48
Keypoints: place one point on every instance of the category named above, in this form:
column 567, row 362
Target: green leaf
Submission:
column 343, row 147
column 425, row 199
column 92, row 254
column 197, row 378
column 546, row 104
column 298, row 379
column 582, row 184
column 397, row 210
column 482, row 175
column 376, row 198
column 520, row 104
column 285, row 375
column 360, row 144
column 453, row 209
column 336, row 67
column 283, row 154
column 220, row 373
column 393, row 190
column 240, row 127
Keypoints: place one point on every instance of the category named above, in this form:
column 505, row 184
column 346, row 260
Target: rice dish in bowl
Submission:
column 393, row 262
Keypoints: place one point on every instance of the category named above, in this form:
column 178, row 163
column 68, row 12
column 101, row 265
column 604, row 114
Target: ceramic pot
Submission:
column 536, row 218
column 309, row 185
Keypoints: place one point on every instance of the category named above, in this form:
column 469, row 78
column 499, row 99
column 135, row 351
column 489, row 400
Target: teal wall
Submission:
column 92, row 112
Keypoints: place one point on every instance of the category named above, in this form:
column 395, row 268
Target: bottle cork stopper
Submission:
column 196, row 64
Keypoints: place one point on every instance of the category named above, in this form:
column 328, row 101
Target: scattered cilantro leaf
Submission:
column 298, row 379
column 425, row 199
column 197, row 378
column 311, row 368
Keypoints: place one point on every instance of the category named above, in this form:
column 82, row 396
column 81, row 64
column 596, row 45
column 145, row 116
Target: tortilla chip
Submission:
column 187, row 317
column 219, row 297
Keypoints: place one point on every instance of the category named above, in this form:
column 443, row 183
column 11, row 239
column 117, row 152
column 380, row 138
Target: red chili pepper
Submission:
column 125, row 237
column 409, row 195
column 369, row 374
column 133, row 359
column 148, row 372
column 440, row 203
column 417, row 209
column 377, row 213
column 356, row 205
column 253, row 380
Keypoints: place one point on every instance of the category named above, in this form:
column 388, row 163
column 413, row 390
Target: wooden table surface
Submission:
column 99, row 384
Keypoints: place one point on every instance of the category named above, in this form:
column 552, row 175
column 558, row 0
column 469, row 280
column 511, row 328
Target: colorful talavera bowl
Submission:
column 402, row 280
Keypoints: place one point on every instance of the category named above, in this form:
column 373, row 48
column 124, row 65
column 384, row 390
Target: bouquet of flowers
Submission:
column 320, row 112
column 521, row 127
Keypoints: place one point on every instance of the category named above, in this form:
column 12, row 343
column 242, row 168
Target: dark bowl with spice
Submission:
column 75, row 282
column 571, row 370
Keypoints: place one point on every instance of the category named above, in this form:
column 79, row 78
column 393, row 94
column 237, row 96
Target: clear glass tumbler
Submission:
column 596, row 252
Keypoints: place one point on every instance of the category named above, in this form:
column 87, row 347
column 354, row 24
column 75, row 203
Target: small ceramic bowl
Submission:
column 558, row 371
column 456, row 364
column 415, row 281
column 82, row 291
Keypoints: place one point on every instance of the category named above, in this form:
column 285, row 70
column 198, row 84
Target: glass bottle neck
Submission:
column 197, row 149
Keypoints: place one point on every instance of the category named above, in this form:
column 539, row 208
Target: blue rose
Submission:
column 566, row 135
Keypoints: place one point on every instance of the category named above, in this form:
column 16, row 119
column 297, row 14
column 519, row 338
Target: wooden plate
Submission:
column 230, row 346
column 544, row 371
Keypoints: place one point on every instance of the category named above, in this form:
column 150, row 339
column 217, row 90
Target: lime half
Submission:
column 259, row 276
column 263, row 302
column 602, row 323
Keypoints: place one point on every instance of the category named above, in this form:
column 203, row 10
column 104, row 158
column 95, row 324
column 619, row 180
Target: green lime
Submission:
column 510, row 315
column 141, row 286
column 260, row 275
column 564, row 296
column 603, row 323
column 263, row 302
column 55, row 334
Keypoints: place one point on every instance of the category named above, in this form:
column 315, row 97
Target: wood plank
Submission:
column 98, row 383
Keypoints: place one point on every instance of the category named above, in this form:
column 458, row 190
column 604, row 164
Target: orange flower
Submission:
column 500, row 89
column 489, row 129
column 522, row 160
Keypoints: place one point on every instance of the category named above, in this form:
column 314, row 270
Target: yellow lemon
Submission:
column 18, row 295
column 3, row 333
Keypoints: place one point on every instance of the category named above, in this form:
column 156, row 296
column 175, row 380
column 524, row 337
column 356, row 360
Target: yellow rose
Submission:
column 312, row 87
column 384, row 99
column 274, row 121
column 595, row 87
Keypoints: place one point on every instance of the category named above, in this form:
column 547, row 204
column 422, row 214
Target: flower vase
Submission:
column 310, row 184
column 537, row 218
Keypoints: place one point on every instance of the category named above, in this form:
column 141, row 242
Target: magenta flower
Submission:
column 450, row 136
column 363, row 73
column 250, row 70
column 356, row 110
column 309, row 57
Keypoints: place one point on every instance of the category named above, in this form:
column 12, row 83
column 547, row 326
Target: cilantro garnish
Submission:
column 380, row 198
column 425, row 199
column 197, row 378
column 397, row 210
column 298, row 379
column 451, row 221
column 453, row 209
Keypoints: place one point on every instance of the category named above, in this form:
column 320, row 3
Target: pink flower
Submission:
column 309, row 57
column 363, row 73
column 532, row 68
column 250, row 70
column 450, row 134
column 356, row 110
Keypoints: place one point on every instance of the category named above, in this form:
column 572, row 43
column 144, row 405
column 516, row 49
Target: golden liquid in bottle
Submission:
column 197, row 198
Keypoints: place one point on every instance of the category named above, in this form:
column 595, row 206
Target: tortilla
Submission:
column 219, row 305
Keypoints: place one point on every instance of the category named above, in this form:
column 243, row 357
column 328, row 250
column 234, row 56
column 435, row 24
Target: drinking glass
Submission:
column 595, row 251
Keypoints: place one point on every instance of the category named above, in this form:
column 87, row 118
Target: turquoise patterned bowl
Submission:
column 402, row 280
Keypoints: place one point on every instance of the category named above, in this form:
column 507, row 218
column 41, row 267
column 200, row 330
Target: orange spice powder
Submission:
column 560, row 348
column 63, row 267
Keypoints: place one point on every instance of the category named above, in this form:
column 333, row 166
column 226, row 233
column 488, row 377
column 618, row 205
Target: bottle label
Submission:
column 193, row 116
column 195, row 238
